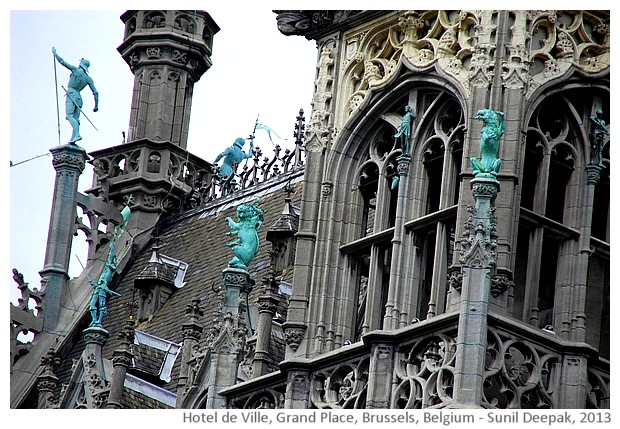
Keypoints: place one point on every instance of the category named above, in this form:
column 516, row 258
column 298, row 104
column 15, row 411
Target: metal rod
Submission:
column 29, row 159
column 57, row 104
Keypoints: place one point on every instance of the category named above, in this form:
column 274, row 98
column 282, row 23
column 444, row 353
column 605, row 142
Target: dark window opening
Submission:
column 546, row 287
column 520, row 274
column 600, row 211
column 433, row 163
column 427, row 276
column 531, row 171
column 560, row 170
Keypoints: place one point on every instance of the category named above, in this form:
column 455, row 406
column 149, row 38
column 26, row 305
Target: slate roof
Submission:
column 197, row 238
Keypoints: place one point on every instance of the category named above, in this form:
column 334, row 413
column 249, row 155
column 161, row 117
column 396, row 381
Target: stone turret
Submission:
column 167, row 51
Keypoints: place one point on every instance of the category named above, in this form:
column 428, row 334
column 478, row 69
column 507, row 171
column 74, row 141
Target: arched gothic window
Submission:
column 392, row 292
column 552, row 223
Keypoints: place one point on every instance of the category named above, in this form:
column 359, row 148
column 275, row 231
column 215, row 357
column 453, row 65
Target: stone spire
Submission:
column 167, row 51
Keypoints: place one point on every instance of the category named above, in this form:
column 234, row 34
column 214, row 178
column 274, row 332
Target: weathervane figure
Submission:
column 77, row 82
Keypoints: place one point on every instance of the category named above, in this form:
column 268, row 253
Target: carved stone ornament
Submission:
column 294, row 336
column 326, row 190
column 580, row 39
column 455, row 280
column 267, row 306
column 523, row 371
column 317, row 133
column 235, row 279
column 499, row 284
column 485, row 190
column 424, row 373
column 384, row 351
column 68, row 162
column 122, row 360
column 153, row 52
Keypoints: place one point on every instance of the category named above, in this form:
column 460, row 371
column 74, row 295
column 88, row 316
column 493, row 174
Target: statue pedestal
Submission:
column 236, row 281
column 97, row 387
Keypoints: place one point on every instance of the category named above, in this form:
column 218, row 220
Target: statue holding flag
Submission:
column 233, row 155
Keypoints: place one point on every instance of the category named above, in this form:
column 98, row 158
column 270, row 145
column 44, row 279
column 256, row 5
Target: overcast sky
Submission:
column 256, row 70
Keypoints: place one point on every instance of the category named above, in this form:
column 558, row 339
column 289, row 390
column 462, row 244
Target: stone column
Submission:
column 47, row 381
column 96, row 385
column 69, row 161
column 121, row 360
column 478, row 266
column 267, row 305
column 192, row 332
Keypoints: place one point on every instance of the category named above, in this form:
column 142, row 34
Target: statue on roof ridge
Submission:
column 98, row 302
column 233, row 155
column 494, row 126
column 245, row 247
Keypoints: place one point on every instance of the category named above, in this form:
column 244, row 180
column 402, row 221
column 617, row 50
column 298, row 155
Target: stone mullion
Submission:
column 394, row 307
column 440, row 268
column 532, row 277
column 374, row 311
column 412, row 280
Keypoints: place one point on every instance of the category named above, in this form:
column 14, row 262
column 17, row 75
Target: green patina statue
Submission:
column 403, row 134
column 250, row 218
column 98, row 302
column 599, row 131
column 494, row 126
column 77, row 82
column 233, row 155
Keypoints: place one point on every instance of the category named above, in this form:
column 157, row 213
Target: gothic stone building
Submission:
column 386, row 278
